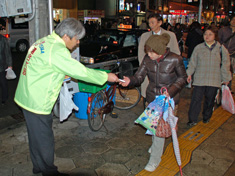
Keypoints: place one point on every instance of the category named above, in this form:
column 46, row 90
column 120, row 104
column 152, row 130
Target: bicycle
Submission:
column 100, row 104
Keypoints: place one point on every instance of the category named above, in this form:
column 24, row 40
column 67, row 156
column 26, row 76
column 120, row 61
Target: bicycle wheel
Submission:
column 95, row 117
column 126, row 98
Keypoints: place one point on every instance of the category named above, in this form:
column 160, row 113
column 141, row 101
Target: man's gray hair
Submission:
column 71, row 27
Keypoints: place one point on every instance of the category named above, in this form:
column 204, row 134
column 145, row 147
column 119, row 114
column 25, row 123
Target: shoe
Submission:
column 206, row 121
column 150, row 167
column 150, row 150
column 56, row 174
column 36, row 171
column 191, row 124
column 62, row 174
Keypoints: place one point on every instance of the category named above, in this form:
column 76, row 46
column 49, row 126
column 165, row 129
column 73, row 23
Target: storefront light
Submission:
column 121, row 4
column 127, row 6
column 138, row 7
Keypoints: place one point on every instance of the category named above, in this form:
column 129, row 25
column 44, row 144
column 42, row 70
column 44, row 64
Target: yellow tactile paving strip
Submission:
column 188, row 142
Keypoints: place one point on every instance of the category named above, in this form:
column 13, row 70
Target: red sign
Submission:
column 178, row 12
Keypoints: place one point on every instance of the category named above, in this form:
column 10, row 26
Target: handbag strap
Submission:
column 162, row 89
column 165, row 100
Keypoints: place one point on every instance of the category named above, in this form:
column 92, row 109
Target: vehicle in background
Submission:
column 110, row 44
column 17, row 34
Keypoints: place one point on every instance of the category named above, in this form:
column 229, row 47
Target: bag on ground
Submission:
column 227, row 101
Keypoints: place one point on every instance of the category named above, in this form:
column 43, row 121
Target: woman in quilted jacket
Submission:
column 163, row 69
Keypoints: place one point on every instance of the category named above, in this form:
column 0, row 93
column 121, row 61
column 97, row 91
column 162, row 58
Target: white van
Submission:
column 17, row 34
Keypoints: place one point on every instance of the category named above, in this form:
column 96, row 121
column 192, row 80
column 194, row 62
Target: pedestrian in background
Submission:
column 143, row 25
column 179, row 34
column 155, row 22
column 163, row 69
column 169, row 27
column 227, row 38
column 178, row 31
column 45, row 66
column 194, row 37
column 5, row 62
column 208, row 70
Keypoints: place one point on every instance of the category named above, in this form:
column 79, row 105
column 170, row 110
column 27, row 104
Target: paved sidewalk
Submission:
column 122, row 151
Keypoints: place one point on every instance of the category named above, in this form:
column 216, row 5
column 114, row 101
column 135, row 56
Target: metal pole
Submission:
column 200, row 12
column 50, row 8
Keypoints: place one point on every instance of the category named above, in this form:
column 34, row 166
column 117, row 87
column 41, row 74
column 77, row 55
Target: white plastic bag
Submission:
column 227, row 101
column 66, row 103
column 10, row 74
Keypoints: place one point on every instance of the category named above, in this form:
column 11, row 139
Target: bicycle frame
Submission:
column 108, row 107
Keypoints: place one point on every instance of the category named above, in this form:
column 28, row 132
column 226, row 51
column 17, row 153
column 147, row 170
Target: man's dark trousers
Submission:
column 195, row 107
column 3, row 85
column 41, row 142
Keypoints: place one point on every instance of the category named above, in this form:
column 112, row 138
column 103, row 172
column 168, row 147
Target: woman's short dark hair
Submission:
column 214, row 30
column 155, row 15
column 195, row 25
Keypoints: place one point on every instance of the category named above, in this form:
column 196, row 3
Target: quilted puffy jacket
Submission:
column 169, row 72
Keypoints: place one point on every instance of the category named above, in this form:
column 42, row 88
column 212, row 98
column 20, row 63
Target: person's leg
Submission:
column 41, row 142
column 210, row 94
column 4, row 86
column 195, row 106
column 156, row 153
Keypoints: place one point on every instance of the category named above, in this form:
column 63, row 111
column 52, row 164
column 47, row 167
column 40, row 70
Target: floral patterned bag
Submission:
column 151, row 115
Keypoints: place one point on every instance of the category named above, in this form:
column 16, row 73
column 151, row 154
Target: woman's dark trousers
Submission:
column 195, row 107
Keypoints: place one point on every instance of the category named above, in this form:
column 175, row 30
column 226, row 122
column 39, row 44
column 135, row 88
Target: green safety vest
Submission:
column 45, row 66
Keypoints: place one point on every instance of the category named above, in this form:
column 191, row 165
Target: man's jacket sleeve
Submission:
column 62, row 62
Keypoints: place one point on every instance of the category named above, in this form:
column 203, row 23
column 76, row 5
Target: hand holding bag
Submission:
column 10, row 73
column 163, row 129
column 151, row 115
column 227, row 101
column 157, row 113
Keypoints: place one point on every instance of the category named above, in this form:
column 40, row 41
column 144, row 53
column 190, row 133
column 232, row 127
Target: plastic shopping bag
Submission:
column 227, row 101
column 10, row 74
column 66, row 103
column 154, row 111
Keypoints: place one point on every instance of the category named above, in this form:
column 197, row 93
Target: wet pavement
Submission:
column 119, row 150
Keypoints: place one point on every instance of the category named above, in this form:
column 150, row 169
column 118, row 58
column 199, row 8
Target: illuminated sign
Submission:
column 138, row 7
column 127, row 6
column 122, row 26
column 121, row 4
column 178, row 12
